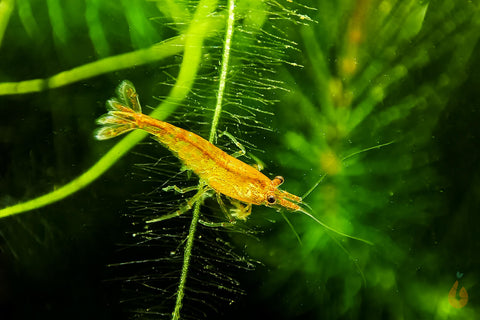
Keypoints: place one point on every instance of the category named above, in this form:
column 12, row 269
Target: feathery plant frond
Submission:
column 228, row 48
column 238, row 99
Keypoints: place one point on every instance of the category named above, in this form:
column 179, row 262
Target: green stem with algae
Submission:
column 6, row 8
column 186, row 261
column 224, row 71
column 218, row 109
column 123, row 61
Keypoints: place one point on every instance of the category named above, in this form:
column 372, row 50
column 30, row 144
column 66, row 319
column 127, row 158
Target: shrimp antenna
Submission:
column 314, row 186
column 339, row 244
column 343, row 159
column 351, row 258
column 334, row 230
column 291, row 227
column 368, row 149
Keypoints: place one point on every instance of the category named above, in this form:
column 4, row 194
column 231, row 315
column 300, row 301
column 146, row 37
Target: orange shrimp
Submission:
column 220, row 171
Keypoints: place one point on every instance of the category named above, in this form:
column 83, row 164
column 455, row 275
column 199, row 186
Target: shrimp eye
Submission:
column 271, row 199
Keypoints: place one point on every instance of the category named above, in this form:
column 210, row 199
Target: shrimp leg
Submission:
column 180, row 190
column 240, row 152
column 224, row 209
column 188, row 205
column 258, row 163
column 211, row 224
column 231, row 221
column 241, row 211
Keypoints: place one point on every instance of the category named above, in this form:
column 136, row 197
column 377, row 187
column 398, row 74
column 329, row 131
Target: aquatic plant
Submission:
column 375, row 72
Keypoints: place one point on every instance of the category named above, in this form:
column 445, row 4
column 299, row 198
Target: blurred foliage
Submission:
column 310, row 85
column 379, row 71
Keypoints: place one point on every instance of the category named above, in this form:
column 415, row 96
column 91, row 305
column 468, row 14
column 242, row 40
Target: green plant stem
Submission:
column 207, row 6
column 123, row 61
column 57, row 21
column 6, row 8
column 85, row 179
column 193, row 44
column 186, row 261
column 224, row 71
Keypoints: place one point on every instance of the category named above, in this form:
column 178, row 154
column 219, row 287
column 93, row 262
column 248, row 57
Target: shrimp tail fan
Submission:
column 122, row 113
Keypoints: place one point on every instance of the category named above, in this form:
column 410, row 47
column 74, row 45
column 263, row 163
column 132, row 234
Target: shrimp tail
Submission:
column 122, row 113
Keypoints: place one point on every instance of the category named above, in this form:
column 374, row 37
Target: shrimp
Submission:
column 225, row 174
column 220, row 171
